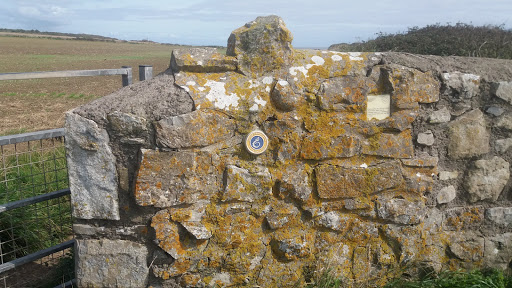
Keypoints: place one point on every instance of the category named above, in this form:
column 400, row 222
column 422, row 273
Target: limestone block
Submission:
column 173, row 240
column 261, row 46
column 448, row 175
column 201, row 60
column 389, row 145
column 505, row 122
column 421, row 161
column 411, row 85
column 91, row 168
column 426, row 138
column 495, row 110
column 446, row 195
column 335, row 221
column 165, row 179
column 440, row 116
column 284, row 97
column 463, row 218
column 498, row 251
column 468, row 136
column 502, row 145
column 487, row 179
column 111, row 263
column 503, row 90
column 242, row 185
column 295, row 181
column 467, row 246
column 190, row 218
column 337, row 182
column 128, row 126
column 318, row 146
column 195, row 129
column 401, row 211
column 338, row 93
column 464, row 86
column 499, row 215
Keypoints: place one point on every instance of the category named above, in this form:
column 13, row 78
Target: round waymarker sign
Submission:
column 256, row 142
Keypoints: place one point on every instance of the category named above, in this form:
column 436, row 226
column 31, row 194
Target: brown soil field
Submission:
column 37, row 104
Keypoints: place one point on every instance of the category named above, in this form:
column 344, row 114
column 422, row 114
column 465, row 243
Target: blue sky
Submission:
column 317, row 23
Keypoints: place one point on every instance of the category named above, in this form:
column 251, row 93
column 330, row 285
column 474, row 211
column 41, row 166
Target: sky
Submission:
column 313, row 23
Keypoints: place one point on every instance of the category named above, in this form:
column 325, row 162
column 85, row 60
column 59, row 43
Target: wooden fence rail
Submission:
column 145, row 73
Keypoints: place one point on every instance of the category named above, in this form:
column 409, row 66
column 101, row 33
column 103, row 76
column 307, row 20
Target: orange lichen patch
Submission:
column 463, row 218
column 419, row 179
column 318, row 146
column 412, row 86
column 337, row 182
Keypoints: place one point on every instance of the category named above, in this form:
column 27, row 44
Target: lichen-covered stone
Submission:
column 339, row 93
column 295, row 181
column 446, row 195
column 487, row 179
column 338, row 182
column 165, row 179
column 130, row 128
column 92, row 170
column 261, row 46
column 242, row 185
column 196, row 129
column 412, row 85
column 389, row 145
column 111, row 263
column 283, row 96
column 467, row 246
column 463, row 218
column 499, row 215
column 280, row 214
column 503, row 90
column 201, row 60
column 318, row 146
column 468, row 136
column 463, row 86
column 401, row 211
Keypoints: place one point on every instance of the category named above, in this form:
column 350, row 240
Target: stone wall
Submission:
column 165, row 194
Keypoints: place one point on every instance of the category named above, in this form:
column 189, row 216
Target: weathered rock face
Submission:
column 347, row 182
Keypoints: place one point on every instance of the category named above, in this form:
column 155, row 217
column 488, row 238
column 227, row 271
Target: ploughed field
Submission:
column 37, row 104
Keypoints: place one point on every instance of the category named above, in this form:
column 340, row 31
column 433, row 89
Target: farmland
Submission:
column 36, row 104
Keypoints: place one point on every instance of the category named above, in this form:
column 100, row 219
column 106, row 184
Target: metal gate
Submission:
column 36, row 238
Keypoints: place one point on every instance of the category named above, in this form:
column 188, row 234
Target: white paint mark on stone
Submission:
column 190, row 83
column 318, row 60
column 364, row 165
column 218, row 96
column 223, row 78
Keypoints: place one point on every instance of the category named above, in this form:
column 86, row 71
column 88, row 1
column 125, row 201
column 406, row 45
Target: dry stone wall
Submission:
column 375, row 162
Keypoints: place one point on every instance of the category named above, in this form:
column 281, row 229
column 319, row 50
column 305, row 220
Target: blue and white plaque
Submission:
column 256, row 142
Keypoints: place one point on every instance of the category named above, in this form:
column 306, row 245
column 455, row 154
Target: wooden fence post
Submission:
column 127, row 78
column 145, row 72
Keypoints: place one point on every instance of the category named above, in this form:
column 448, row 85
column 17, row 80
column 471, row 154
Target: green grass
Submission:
column 38, row 226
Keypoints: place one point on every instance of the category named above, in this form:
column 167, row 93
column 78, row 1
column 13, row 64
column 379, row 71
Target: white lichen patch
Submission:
column 355, row 56
column 253, row 84
column 364, row 165
column 318, row 60
column 185, row 88
column 267, row 80
column 217, row 95
column 282, row 83
column 191, row 83
column 336, row 58
column 293, row 70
